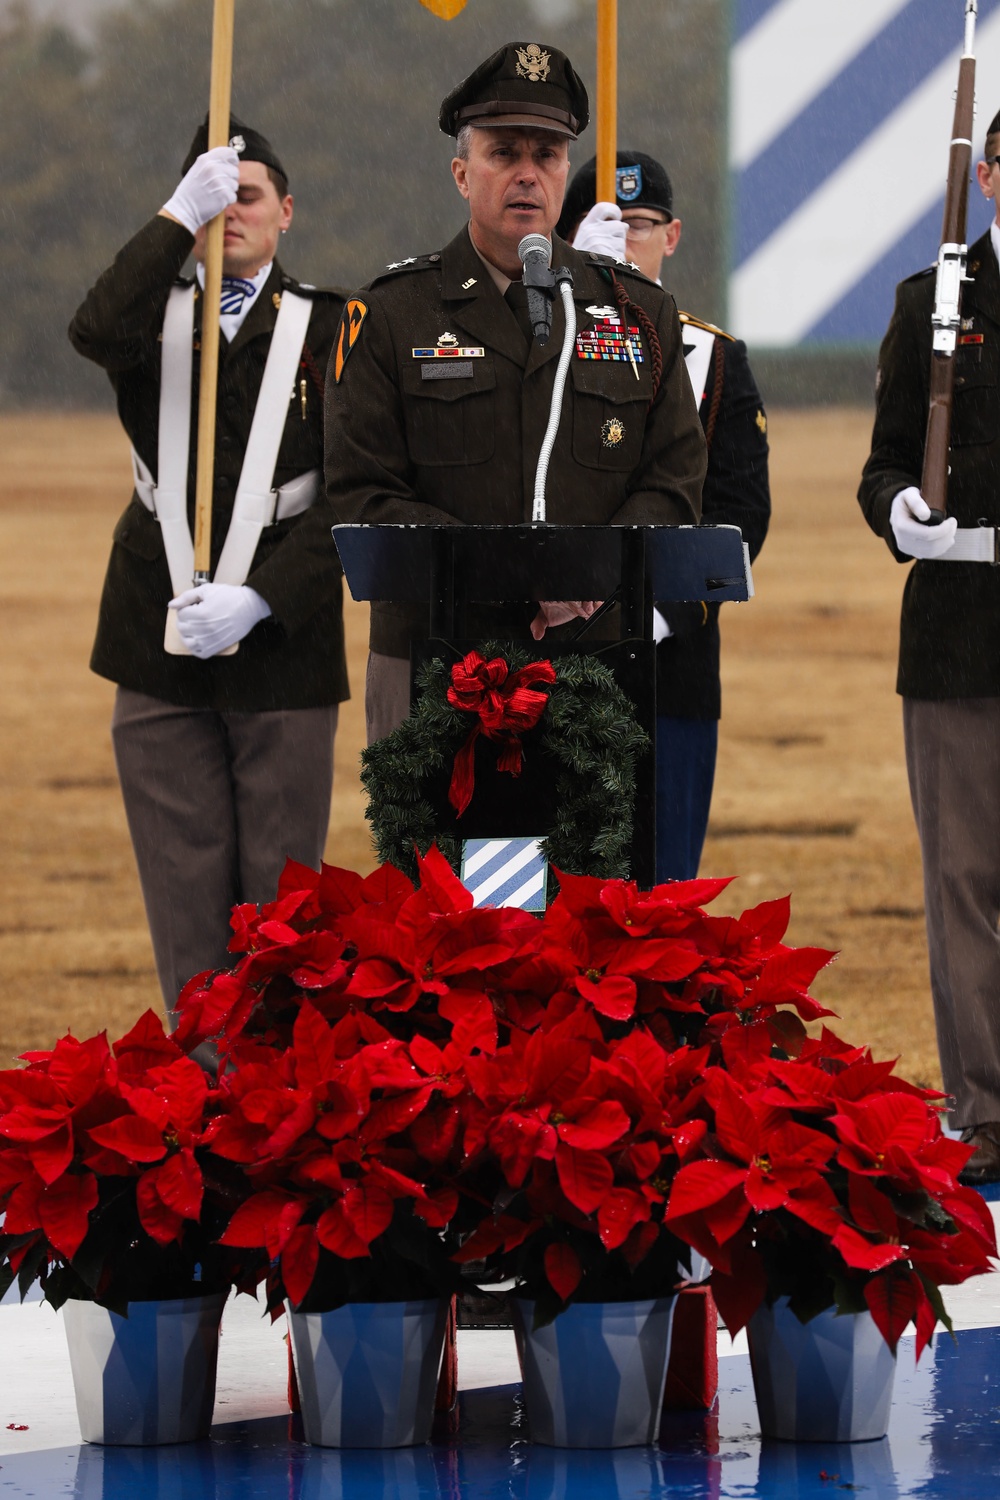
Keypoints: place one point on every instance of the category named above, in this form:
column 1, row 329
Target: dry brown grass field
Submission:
column 810, row 792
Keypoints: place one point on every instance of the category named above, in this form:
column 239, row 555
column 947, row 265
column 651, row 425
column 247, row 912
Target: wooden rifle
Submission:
column 946, row 318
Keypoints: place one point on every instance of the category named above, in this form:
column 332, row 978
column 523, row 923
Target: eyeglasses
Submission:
column 642, row 228
column 992, row 161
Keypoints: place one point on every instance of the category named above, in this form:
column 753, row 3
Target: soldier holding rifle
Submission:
column 225, row 760
column 949, row 661
column 439, row 391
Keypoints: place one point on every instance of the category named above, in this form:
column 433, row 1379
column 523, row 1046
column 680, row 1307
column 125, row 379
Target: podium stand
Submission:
column 449, row 568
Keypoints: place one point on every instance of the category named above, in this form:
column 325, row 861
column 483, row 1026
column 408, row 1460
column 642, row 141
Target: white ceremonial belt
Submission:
column 973, row 544
column 292, row 499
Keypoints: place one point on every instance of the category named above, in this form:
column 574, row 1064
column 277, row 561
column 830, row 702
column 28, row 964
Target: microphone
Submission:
column 535, row 255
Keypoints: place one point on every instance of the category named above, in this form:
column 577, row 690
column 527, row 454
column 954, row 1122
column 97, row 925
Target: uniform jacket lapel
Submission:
column 479, row 309
column 982, row 292
column 262, row 315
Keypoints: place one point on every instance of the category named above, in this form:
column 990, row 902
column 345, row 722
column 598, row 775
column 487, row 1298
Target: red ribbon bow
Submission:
column 507, row 705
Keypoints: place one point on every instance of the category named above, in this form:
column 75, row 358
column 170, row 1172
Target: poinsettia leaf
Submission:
column 179, row 1183
column 584, row 1176
column 134, row 1138
column 440, row 884
column 862, row 1254
column 162, row 1223
column 64, row 1209
column 563, row 1269
column 613, row 995
column 597, row 1127
column 250, row 1226
column 618, row 1215
column 368, row 1209
column 892, row 1301
column 299, row 1260
column 739, row 1292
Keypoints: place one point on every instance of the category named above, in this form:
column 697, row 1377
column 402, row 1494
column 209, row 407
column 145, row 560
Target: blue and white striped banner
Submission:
column 839, row 125
column 505, row 872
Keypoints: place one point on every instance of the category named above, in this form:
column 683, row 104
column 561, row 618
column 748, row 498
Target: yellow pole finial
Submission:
column 446, row 9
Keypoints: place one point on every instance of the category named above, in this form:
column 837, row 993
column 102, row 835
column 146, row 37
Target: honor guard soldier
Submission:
column 949, row 660
column 225, row 760
column 438, row 396
column 641, row 227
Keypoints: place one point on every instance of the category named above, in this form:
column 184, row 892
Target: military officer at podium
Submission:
column 418, row 433
column 225, row 761
column 641, row 226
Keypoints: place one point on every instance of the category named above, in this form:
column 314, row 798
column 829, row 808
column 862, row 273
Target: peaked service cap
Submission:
column 524, row 83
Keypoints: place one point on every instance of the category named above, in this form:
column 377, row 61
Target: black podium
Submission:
column 451, row 567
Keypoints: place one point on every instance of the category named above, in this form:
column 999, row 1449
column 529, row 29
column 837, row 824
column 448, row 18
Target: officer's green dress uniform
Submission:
column 225, row 764
column 949, row 667
column 405, row 445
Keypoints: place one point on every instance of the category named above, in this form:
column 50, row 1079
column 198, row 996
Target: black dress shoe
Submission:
column 984, row 1163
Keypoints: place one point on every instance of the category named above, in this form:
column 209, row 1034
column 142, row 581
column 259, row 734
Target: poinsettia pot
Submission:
column 148, row 1378
column 828, row 1380
column 594, row 1376
column 368, row 1371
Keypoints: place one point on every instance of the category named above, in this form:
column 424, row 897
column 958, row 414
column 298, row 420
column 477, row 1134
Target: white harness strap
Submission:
column 698, row 358
column 175, row 436
column 253, row 508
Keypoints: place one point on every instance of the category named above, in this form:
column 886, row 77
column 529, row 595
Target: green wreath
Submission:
column 589, row 729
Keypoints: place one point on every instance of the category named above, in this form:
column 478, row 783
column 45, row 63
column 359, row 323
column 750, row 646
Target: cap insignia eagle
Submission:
column 533, row 63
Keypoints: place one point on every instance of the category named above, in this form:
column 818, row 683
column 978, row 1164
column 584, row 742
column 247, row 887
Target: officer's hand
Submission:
column 209, row 185
column 216, row 615
column 603, row 230
column 909, row 509
column 559, row 612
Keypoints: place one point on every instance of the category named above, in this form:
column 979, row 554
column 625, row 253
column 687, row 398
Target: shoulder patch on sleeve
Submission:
column 686, row 317
column 355, row 312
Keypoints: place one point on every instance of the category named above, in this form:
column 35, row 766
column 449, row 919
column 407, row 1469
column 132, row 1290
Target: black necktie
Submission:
column 516, row 298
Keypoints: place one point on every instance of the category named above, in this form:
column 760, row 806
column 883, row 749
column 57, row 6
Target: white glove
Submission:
column 661, row 632
column 216, row 615
column 208, row 186
column 909, row 509
column 603, row 230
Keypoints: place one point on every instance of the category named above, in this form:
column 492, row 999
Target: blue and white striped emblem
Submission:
column 505, row 872
column 840, row 120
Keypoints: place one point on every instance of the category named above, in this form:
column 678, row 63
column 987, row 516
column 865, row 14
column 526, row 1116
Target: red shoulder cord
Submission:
column 647, row 325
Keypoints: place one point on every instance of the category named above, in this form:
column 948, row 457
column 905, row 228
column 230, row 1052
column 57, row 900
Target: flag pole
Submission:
column 218, row 135
column 607, row 98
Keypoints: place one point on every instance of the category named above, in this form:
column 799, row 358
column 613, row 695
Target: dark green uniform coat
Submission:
column 295, row 659
column 950, row 627
column 404, row 448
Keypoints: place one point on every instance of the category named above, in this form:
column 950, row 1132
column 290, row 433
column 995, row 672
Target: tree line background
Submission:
column 93, row 128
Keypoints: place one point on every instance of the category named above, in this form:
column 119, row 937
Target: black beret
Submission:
column 249, row 144
column 994, row 125
column 523, row 83
column 640, row 182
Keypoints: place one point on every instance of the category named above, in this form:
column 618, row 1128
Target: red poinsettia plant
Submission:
column 824, row 1178
column 411, row 1083
column 104, row 1184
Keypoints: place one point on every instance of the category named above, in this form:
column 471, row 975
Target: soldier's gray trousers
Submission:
column 953, row 762
column 387, row 694
column 215, row 802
